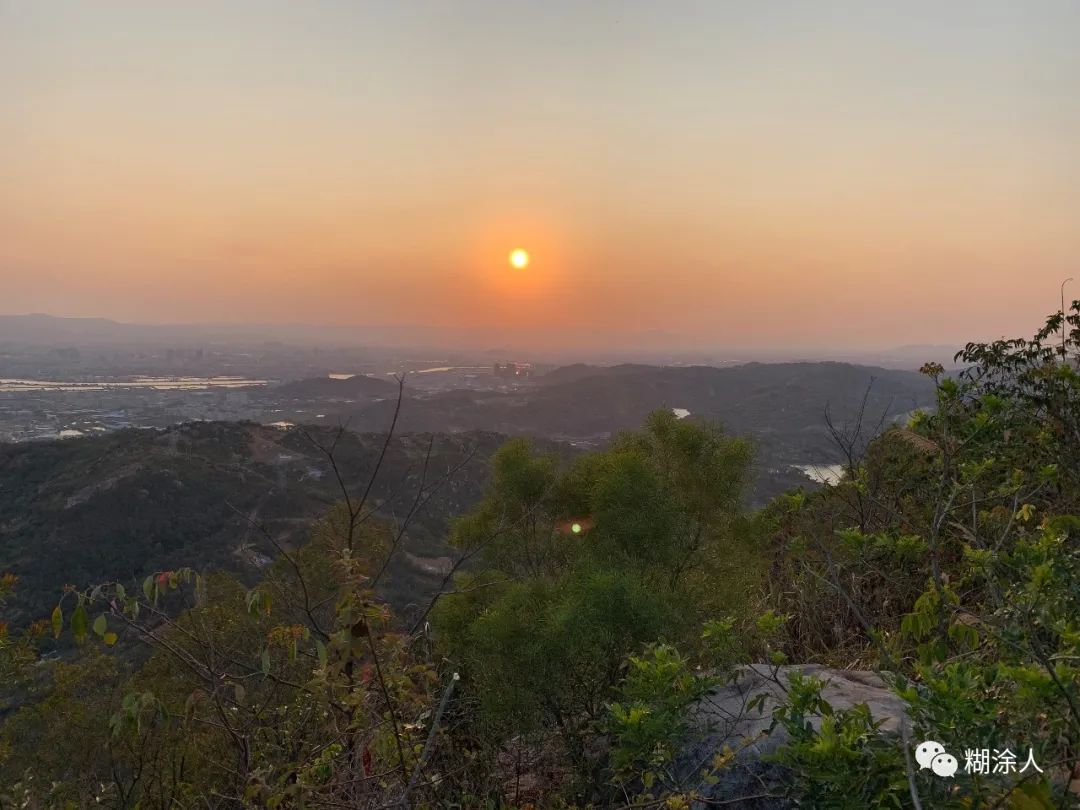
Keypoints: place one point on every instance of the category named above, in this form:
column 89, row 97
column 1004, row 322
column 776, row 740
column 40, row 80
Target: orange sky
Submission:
column 759, row 174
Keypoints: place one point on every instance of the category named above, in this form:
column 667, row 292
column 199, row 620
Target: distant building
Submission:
column 513, row 370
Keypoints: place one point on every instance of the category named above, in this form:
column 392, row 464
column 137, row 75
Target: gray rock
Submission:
column 723, row 719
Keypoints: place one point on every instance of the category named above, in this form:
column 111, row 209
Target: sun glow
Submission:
column 519, row 258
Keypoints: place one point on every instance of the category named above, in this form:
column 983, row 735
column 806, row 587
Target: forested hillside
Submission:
column 207, row 495
column 781, row 406
column 593, row 604
column 124, row 504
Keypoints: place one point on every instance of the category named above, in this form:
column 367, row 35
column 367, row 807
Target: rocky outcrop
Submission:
column 725, row 719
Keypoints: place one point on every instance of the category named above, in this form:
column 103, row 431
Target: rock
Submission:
column 723, row 720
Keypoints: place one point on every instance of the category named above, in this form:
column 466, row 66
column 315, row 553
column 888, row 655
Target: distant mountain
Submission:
column 776, row 396
column 128, row 503
column 780, row 405
column 48, row 330
column 538, row 343
column 583, row 402
column 582, row 371
column 910, row 357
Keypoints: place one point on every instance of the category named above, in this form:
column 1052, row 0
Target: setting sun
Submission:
column 519, row 258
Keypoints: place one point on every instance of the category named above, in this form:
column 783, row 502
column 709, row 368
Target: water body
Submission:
column 822, row 473
column 442, row 369
column 151, row 383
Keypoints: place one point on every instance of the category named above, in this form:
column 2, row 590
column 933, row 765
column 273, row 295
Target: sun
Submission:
column 519, row 258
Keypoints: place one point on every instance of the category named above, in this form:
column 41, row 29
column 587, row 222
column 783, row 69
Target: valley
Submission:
column 157, row 492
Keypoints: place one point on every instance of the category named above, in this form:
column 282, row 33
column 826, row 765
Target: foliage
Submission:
column 256, row 696
column 649, row 722
column 843, row 761
column 302, row 688
column 591, row 606
column 542, row 635
column 977, row 504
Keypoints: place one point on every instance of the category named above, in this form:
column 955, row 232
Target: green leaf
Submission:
column 57, row 621
column 80, row 624
column 148, row 588
column 100, row 626
column 321, row 649
column 121, row 593
column 266, row 662
column 1032, row 796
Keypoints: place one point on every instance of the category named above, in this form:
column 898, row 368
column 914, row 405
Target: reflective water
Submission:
column 822, row 473
column 153, row 383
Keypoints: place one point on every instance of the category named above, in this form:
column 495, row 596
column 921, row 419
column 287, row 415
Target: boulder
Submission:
column 724, row 719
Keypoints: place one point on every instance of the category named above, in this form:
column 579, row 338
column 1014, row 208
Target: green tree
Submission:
column 542, row 630
column 964, row 592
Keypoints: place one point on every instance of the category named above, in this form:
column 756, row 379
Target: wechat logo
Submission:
column 933, row 755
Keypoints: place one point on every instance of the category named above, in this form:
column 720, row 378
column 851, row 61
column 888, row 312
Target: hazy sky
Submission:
column 767, row 173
